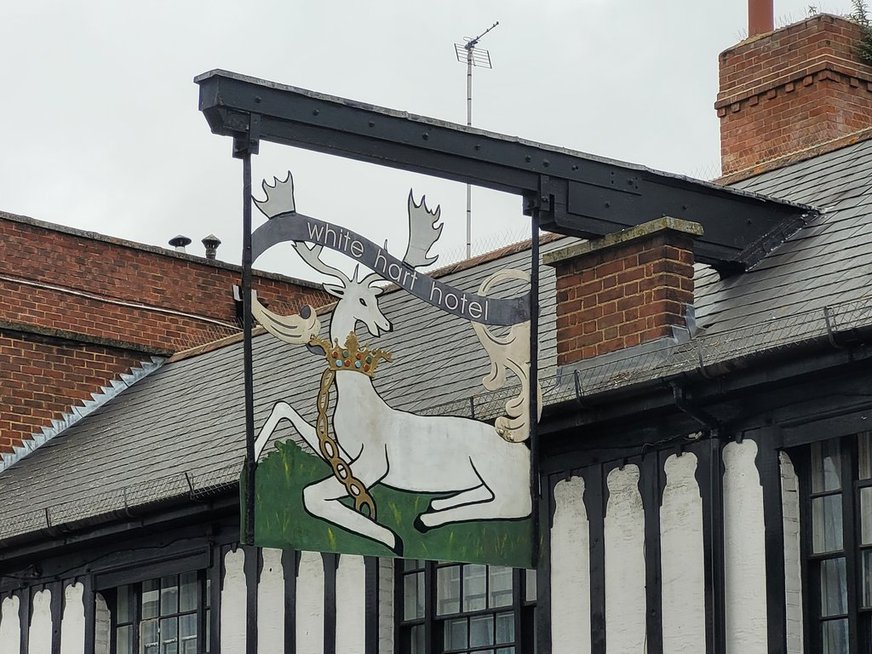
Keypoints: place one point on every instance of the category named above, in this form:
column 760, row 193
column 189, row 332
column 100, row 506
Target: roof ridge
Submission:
column 146, row 247
column 493, row 255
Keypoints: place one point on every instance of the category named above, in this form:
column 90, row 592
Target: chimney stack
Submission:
column 791, row 94
column 761, row 17
column 624, row 289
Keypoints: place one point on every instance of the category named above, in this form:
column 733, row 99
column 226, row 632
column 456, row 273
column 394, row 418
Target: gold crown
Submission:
column 350, row 356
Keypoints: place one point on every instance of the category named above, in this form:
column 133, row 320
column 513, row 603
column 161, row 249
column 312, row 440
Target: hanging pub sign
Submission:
column 368, row 478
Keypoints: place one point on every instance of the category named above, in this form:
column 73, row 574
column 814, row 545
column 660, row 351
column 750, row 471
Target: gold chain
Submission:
column 330, row 450
column 327, row 445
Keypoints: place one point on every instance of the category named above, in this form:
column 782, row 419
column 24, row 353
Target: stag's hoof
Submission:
column 420, row 526
column 398, row 546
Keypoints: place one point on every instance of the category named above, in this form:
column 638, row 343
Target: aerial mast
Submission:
column 467, row 52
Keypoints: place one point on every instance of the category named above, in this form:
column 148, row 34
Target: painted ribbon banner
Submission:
column 358, row 475
column 475, row 308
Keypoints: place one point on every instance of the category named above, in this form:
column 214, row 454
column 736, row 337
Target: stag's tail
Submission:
column 509, row 352
column 295, row 329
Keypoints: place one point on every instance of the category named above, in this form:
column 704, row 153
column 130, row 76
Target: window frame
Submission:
column 522, row 607
column 202, row 610
column 859, row 635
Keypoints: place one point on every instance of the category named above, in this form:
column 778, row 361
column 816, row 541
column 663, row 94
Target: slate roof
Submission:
column 825, row 263
column 821, row 274
column 179, row 430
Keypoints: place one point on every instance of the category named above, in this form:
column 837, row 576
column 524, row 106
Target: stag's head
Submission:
column 358, row 302
column 358, row 298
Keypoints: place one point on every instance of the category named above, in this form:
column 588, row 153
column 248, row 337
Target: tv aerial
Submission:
column 474, row 57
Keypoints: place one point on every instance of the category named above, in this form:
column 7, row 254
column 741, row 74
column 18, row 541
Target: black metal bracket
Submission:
column 705, row 419
column 575, row 193
column 831, row 328
column 247, row 142
column 579, row 389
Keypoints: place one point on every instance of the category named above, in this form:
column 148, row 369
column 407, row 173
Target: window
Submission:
column 838, row 542
column 168, row 615
column 463, row 608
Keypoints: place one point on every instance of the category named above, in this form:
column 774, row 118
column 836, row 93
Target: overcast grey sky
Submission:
column 102, row 132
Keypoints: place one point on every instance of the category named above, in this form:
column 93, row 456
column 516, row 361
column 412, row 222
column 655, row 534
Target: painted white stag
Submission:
column 478, row 468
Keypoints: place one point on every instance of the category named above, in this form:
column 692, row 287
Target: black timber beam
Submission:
column 576, row 193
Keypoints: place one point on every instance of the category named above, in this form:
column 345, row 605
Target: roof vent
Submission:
column 179, row 242
column 211, row 244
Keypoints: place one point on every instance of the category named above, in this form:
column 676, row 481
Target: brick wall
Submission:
column 627, row 288
column 40, row 379
column 79, row 309
column 791, row 90
column 123, row 294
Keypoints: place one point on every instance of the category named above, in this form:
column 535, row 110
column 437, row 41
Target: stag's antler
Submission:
column 370, row 279
column 423, row 232
column 312, row 256
column 279, row 197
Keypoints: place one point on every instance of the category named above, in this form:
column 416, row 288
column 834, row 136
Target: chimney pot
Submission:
column 761, row 17
column 211, row 244
column 179, row 242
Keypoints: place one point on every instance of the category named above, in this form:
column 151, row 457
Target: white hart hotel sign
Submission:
column 368, row 478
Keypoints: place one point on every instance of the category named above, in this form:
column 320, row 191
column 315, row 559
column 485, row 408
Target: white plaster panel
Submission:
column 310, row 604
column 350, row 605
column 570, row 569
column 744, row 551
column 625, row 563
column 10, row 625
column 73, row 620
column 102, row 625
column 271, row 603
column 234, row 609
column 792, row 557
column 39, row 636
column 682, row 558
column 386, row 606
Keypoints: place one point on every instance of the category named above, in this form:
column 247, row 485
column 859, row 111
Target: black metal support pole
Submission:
column 715, row 523
column 769, row 466
column 543, row 568
column 250, row 461
column 535, row 485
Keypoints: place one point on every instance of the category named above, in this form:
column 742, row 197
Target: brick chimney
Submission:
column 792, row 94
column 625, row 289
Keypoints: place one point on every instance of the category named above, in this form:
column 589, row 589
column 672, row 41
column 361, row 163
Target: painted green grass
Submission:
column 281, row 520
